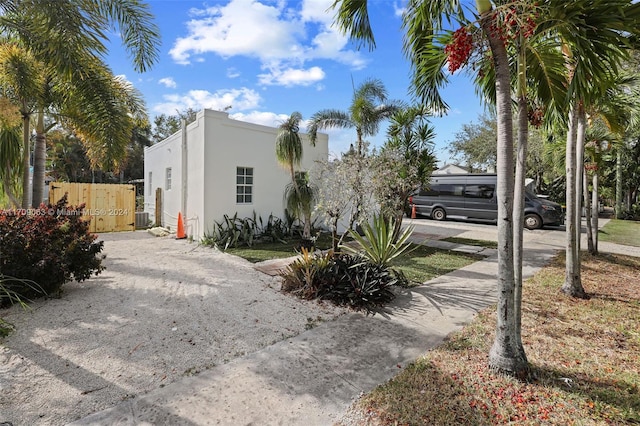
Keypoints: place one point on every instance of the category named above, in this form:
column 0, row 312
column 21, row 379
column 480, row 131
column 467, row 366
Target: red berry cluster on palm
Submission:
column 535, row 114
column 591, row 167
column 459, row 49
column 510, row 24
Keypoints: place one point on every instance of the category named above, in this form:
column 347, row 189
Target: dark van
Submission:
column 473, row 196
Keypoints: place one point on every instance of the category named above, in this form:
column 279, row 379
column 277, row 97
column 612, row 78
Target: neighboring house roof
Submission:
column 450, row 169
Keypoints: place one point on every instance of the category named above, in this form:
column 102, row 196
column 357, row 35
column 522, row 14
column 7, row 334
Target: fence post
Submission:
column 158, row 221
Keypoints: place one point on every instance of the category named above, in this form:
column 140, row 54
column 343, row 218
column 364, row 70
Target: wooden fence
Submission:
column 111, row 207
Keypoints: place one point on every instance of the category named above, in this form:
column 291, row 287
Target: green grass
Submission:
column 626, row 232
column 419, row 264
column 422, row 263
column 277, row 250
column 470, row 242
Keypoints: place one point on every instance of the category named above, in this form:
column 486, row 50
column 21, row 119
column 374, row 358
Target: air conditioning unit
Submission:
column 142, row 220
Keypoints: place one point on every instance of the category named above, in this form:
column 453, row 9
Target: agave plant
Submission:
column 381, row 242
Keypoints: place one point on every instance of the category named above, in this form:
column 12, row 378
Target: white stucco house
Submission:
column 216, row 166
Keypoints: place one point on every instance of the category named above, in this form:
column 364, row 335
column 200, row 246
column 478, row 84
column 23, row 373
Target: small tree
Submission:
column 300, row 196
column 341, row 185
column 405, row 162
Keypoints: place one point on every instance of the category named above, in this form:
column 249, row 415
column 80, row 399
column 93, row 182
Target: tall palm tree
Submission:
column 71, row 35
column 289, row 144
column 411, row 136
column 423, row 22
column 596, row 38
column 299, row 195
column 10, row 165
column 21, row 81
column 369, row 107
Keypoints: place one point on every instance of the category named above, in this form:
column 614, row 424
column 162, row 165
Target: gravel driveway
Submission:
column 161, row 310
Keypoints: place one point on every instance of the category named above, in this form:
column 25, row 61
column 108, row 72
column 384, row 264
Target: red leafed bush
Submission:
column 49, row 246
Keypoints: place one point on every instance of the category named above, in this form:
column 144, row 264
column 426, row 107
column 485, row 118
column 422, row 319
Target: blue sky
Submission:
column 267, row 58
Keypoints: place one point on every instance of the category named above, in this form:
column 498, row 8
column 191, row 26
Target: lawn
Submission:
column 625, row 232
column 419, row 263
column 277, row 250
column 470, row 242
column 584, row 356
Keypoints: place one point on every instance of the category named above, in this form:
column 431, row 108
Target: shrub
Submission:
column 238, row 232
column 50, row 246
column 381, row 242
column 343, row 279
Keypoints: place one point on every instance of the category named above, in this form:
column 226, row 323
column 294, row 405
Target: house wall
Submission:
column 216, row 146
column 231, row 144
column 157, row 158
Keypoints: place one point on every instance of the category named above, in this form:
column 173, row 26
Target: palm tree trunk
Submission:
column 505, row 356
column 26, row 158
column 7, row 187
column 580, row 136
column 572, row 285
column 618, row 210
column 39, row 162
column 587, row 209
column 595, row 211
column 518, row 215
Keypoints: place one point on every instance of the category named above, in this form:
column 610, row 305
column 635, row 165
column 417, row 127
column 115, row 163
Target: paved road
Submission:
column 553, row 238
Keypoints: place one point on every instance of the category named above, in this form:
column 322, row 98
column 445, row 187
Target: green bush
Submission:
column 343, row 279
column 381, row 242
column 49, row 246
column 235, row 232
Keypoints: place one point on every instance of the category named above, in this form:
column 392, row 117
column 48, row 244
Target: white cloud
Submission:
column 292, row 77
column 259, row 117
column 233, row 73
column 239, row 99
column 279, row 35
column 168, row 82
column 399, row 9
column 241, row 27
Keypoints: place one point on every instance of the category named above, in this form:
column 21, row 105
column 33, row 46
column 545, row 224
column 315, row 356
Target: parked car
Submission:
column 473, row 197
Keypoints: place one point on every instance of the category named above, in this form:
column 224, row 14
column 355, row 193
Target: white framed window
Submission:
column 150, row 190
column 244, row 185
column 167, row 179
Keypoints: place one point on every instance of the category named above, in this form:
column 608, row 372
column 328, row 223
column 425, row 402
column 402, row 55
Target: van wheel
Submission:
column 438, row 214
column 532, row 221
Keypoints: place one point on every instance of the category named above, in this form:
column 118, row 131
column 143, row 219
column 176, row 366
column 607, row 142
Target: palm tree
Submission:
column 423, row 21
column 69, row 40
column 289, row 144
column 21, row 81
column 369, row 107
column 411, row 136
column 299, row 195
column 596, row 38
column 10, row 165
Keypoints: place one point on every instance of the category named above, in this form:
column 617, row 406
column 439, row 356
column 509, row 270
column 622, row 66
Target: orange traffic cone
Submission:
column 413, row 211
column 180, row 234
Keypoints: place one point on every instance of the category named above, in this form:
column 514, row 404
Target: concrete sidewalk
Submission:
column 312, row 379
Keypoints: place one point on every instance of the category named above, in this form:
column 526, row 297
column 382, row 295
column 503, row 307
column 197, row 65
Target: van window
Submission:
column 480, row 191
column 450, row 190
column 432, row 191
